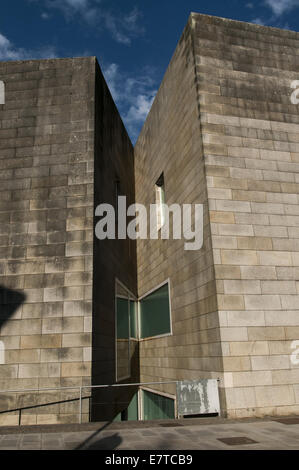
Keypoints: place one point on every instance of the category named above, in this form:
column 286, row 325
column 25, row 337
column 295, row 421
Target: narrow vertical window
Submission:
column 2, row 92
column 160, row 201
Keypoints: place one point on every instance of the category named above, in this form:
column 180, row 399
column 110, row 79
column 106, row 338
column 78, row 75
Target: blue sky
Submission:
column 132, row 39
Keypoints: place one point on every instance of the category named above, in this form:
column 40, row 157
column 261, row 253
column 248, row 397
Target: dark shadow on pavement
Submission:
column 106, row 443
column 88, row 442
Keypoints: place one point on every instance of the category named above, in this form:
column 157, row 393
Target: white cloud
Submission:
column 130, row 21
column 68, row 7
column 9, row 52
column 258, row 21
column 111, row 25
column 111, row 76
column 122, row 27
column 279, row 7
column 132, row 95
column 137, row 112
column 76, row 3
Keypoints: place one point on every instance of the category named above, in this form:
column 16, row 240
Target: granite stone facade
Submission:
column 223, row 122
column 52, row 152
column 171, row 142
column 224, row 133
column 250, row 144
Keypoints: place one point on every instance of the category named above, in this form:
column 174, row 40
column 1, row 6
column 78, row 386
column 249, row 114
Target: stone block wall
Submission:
column 170, row 142
column 46, row 235
column 251, row 151
column 62, row 148
column 224, row 133
column 230, row 130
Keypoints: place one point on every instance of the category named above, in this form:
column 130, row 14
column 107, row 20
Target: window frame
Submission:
column 131, row 296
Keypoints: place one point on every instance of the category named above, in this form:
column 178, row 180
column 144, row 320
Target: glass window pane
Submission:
column 160, row 200
column 133, row 409
column 122, row 319
column 125, row 329
column 122, row 333
column 157, row 406
column 155, row 313
column 133, row 319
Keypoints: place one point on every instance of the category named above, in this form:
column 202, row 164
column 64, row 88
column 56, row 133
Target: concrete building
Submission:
column 222, row 132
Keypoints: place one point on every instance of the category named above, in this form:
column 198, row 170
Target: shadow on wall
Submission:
column 107, row 403
column 10, row 301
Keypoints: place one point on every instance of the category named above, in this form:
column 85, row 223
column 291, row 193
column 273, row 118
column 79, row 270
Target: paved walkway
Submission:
column 194, row 434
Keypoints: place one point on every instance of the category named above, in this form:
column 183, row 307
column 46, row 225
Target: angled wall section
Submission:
column 113, row 259
column 250, row 137
column 170, row 143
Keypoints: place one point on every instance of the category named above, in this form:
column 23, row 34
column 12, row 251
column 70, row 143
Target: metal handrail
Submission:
column 81, row 387
column 87, row 386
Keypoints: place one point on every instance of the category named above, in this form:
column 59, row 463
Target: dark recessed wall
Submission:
column 114, row 162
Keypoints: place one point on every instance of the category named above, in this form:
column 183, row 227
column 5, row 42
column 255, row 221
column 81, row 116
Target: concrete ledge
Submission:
column 56, row 428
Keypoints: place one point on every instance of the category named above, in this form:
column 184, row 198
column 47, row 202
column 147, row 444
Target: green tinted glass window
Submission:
column 125, row 330
column 157, row 406
column 133, row 319
column 155, row 313
column 130, row 413
column 122, row 319
column 133, row 409
column 122, row 338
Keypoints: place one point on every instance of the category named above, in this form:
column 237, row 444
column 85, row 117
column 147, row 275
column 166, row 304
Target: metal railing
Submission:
column 80, row 388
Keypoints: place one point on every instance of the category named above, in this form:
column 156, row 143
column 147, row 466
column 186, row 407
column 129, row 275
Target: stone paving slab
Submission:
column 196, row 435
